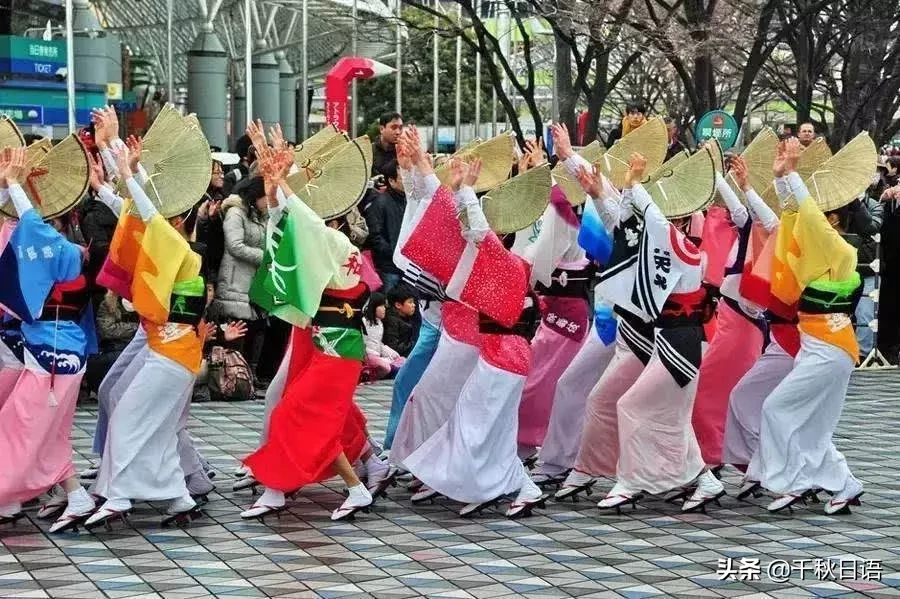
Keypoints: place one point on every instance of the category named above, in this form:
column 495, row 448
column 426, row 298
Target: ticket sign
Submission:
column 31, row 56
column 718, row 125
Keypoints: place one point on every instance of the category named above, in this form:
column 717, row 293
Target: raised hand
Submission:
column 792, row 149
column 740, row 173
column 591, row 182
column 779, row 167
column 208, row 330
column 277, row 137
column 257, row 134
column 404, row 160
column 637, row 164
column 235, row 330
column 562, row 143
column 472, row 174
column 16, row 168
column 96, row 177
column 135, row 149
column 123, row 163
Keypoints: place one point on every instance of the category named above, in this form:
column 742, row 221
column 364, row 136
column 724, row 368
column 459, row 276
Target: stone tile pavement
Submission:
column 567, row 550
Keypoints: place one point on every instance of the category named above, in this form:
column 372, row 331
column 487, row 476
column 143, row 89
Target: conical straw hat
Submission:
column 845, row 175
column 314, row 144
column 162, row 135
column 326, row 152
column 10, row 136
column 37, row 150
column 497, row 156
column 518, row 202
column 567, row 181
column 688, row 187
column 335, row 188
column 59, row 181
column 651, row 140
column 759, row 155
column 812, row 157
column 365, row 144
column 715, row 151
column 471, row 144
column 667, row 167
column 179, row 178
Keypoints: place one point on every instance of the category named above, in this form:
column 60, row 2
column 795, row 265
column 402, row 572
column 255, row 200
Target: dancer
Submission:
column 316, row 430
column 657, row 449
column 418, row 179
column 44, row 289
column 140, row 455
column 473, row 458
column 740, row 325
column 796, row 453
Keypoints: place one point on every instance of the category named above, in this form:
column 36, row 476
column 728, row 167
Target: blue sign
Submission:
column 23, row 114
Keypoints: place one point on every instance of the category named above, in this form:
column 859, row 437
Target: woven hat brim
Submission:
column 63, row 178
column 10, row 136
column 687, row 188
column 568, row 182
column 518, row 202
column 812, row 157
column 179, row 180
column 650, row 140
column 339, row 185
column 497, row 156
column 846, row 175
column 314, row 144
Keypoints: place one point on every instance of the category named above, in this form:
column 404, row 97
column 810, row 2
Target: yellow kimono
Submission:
column 813, row 262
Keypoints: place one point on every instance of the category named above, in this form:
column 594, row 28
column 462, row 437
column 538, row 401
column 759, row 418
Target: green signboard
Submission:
column 718, row 125
column 31, row 56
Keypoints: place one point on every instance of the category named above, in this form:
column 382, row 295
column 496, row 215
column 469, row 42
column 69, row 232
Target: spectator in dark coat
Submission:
column 400, row 330
column 384, row 151
column 384, row 217
column 889, row 290
column 675, row 145
column 98, row 224
column 209, row 217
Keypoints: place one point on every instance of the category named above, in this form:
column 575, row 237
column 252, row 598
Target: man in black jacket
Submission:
column 384, row 217
column 98, row 223
column 384, row 150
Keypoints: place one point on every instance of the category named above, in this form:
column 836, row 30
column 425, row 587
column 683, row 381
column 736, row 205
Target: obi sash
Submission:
column 569, row 283
column 342, row 309
column 679, row 340
column 636, row 333
column 523, row 327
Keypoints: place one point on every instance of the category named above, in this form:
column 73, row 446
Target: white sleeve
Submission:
column 111, row 199
column 19, row 199
column 797, row 187
column 738, row 211
column 142, row 176
column 478, row 225
column 276, row 212
column 760, row 210
column 145, row 207
column 782, row 189
column 4, row 196
column 654, row 220
column 430, row 185
column 109, row 163
column 408, row 177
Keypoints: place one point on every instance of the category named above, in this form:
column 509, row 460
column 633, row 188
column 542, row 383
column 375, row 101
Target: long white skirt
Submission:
column 563, row 438
column 140, row 457
column 746, row 401
column 117, row 379
column 658, row 450
column 433, row 399
column 799, row 417
column 473, row 457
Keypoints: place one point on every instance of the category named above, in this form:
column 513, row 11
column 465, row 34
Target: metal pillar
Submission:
column 478, row 80
column 207, row 81
column 266, row 89
column 494, row 111
column 169, row 53
column 248, row 61
column 354, row 49
column 304, row 72
column 435, row 90
column 398, row 59
column 288, row 97
column 457, row 136
column 239, row 112
column 70, row 65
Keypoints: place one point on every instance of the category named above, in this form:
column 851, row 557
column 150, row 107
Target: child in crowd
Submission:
column 382, row 361
column 401, row 328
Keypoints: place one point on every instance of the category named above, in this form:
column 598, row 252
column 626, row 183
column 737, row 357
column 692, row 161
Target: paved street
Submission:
column 405, row 551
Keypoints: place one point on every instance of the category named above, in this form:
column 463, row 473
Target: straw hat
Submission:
column 567, row 181
column 60, row 179
column 812, row 157
column 314, row 144
column 518, row 202
column 10, row 136
column 759, row 156
column 334, row 189
column 716, row 151
column 667, row 167
column 177, row 158
column 497, row 156
column 845, row 175
column 651, row 140
column 686, row 188
column 37, row 150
